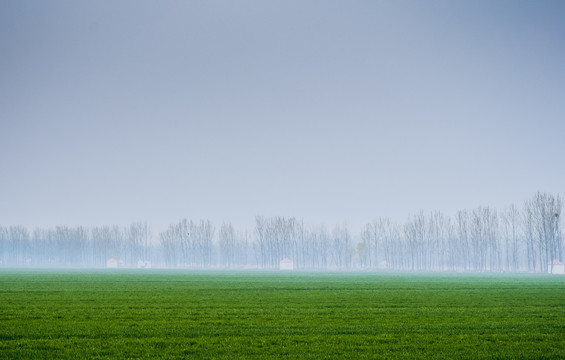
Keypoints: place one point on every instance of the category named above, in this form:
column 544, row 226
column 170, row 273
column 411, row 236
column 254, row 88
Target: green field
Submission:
column 221, row 315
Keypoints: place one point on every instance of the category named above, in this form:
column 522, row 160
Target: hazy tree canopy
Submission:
column 480, row 239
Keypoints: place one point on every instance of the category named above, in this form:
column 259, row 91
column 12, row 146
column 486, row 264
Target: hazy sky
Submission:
column 330, row 111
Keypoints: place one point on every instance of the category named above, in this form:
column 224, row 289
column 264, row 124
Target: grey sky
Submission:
column 331, row 111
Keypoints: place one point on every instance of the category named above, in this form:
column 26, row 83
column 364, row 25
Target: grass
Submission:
column 221, row 315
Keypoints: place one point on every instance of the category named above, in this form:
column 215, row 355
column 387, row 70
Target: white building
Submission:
column 112, row 263
column 287, row 264
column 143, row 264
column 556, row 267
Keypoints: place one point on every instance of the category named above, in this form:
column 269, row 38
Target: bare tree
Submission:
column 227, row 245
column 510, row 228
column 138, row 236
column 543, row 217
column 170, row 245
column 4, row 246
column 203, row 234
column 371, row 236
column 19, row 246
column 415, row 234
column 318, row 241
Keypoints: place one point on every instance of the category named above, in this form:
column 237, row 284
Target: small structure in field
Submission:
column 143, row 264
column 556, row 267
column 111, row 263
column 287, row 264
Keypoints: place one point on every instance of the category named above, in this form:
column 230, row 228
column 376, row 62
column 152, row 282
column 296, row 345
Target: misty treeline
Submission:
column 478, row 240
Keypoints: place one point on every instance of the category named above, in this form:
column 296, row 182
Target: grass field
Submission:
column 168, row 314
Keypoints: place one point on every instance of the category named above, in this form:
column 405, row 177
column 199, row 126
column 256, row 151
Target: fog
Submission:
column 300, row 124
column 479, row 240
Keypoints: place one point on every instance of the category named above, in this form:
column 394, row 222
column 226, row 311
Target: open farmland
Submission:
column 173, row 314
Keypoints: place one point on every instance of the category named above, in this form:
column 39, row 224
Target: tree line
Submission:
column 483, row 239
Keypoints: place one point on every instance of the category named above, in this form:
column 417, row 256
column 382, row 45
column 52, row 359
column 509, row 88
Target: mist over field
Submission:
column 529, row 239
column 282, row 179
column 368, row 135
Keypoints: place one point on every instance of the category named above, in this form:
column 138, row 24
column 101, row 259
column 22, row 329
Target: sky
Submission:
column 334, row 112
